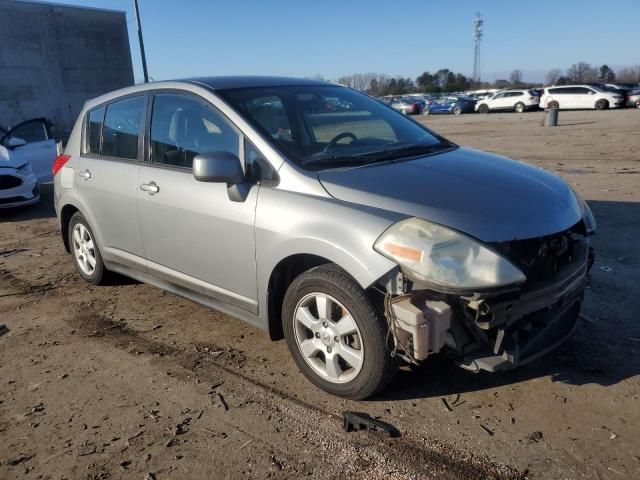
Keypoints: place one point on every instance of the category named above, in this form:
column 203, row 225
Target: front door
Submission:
column 40, row 148
column 194, row 235
column 108, row 178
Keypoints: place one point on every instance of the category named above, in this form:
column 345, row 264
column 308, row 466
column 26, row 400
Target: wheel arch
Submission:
column 65, row 217
column 281, row 277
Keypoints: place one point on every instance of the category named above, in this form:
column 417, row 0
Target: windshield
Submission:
column 328, row 126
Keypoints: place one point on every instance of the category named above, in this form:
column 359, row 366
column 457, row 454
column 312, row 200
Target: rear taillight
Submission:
column 59, row 162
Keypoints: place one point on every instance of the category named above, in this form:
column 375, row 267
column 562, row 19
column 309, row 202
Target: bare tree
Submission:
column 629, row 75
column 553, row 75
column 582, row 72
column 516, row 78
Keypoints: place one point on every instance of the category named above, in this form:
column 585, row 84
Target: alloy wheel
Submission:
column 84, row 249
column 328, row 338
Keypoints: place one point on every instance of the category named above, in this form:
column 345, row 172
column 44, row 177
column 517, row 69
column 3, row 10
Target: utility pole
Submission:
column 144, row 58
column 477, row 36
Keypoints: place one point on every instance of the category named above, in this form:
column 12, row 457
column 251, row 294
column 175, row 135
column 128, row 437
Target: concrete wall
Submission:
column 54, row 57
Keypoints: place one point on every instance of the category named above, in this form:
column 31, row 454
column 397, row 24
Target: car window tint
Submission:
column 122, row 127
column 269, row 113
column 35, row 131
column 94, row 130
column 183, row 127
column 329, row 116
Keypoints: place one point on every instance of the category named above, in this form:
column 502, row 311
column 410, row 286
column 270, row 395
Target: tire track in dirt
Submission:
column 362, row 454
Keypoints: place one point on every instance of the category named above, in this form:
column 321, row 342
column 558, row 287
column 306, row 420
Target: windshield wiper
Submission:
column 378, row 156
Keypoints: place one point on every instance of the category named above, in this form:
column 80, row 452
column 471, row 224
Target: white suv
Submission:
column 516, row 100
column 579, row 96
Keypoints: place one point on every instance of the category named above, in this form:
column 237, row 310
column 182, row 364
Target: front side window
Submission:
column 122, row 127
column 94, row 130
column 183, row 127
column 326, row 126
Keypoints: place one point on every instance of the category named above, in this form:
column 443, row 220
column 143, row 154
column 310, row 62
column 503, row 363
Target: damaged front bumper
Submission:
column 492, row 330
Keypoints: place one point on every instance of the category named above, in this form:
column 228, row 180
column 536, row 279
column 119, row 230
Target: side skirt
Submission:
column 205, row 300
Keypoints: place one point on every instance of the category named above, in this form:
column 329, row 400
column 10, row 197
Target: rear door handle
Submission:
column 151, row 188
column 85, row 174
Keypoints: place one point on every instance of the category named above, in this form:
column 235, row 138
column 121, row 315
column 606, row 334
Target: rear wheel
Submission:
column 637, row 103
column 335, row 334
column 86, row 255
column 553, row 104
column 519, row 107
column 426, row 111
column 484, row 108
column 457, row 110
column 602, row 104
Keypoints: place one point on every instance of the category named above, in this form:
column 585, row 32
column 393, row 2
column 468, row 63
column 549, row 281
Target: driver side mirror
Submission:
column 222, row 167
column 218, row 167
column 15, row 142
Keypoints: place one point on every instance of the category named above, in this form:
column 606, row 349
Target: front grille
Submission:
column 543, row 258
column 9, row 181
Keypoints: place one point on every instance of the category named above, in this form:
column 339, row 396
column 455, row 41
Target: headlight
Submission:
column 445, row 257
column 24, row 169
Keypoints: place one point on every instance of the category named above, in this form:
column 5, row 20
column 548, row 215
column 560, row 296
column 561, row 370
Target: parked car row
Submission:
column 565, row 97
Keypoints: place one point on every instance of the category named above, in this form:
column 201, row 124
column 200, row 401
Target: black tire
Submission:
column 637, row 103
column 457, row 110
column 519, row 107
column 100, row 275
column 484, row 108
column 553, row 104
column 602, row 104
column 378, row 367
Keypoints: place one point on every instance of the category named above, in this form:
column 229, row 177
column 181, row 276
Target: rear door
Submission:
column 40, row 149
column 108, row 177
column 194, row 235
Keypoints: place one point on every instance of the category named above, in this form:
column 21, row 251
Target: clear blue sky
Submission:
column 336, row 37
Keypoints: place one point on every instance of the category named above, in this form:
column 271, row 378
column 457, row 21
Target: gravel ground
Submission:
column 127, row 381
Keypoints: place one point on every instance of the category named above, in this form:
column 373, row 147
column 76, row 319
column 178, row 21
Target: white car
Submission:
column 579, row 96
column 512, row 100
column 27, row 153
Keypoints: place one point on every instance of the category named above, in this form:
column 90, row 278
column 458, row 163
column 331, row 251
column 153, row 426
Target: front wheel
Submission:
column 335, row 334
column 602, row 104
column 519, row 107
column 457, row 110
column 484, row 108
column 637, row 103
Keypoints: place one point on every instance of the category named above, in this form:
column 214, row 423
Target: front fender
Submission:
column 341, row 232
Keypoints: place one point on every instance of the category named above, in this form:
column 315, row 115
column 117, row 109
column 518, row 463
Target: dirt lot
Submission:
column 127, row 380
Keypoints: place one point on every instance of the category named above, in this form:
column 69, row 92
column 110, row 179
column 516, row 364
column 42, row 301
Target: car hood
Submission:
column 489, row 197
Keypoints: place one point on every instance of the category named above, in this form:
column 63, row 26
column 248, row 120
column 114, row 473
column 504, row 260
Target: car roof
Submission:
column 246, row 81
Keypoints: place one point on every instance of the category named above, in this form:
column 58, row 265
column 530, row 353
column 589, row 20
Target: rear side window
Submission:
column 94, row 130
column 183, row 127
column 558, row 91
column 122, row 127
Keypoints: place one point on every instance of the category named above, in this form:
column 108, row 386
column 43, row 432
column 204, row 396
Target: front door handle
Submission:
column 85, row 174
column 151, row 188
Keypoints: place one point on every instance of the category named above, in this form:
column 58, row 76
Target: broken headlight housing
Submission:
column 439, row 255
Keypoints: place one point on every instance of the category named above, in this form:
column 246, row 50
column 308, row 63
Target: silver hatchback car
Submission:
column 321, row 215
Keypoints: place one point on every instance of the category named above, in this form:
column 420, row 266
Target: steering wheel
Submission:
column 334, row 141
